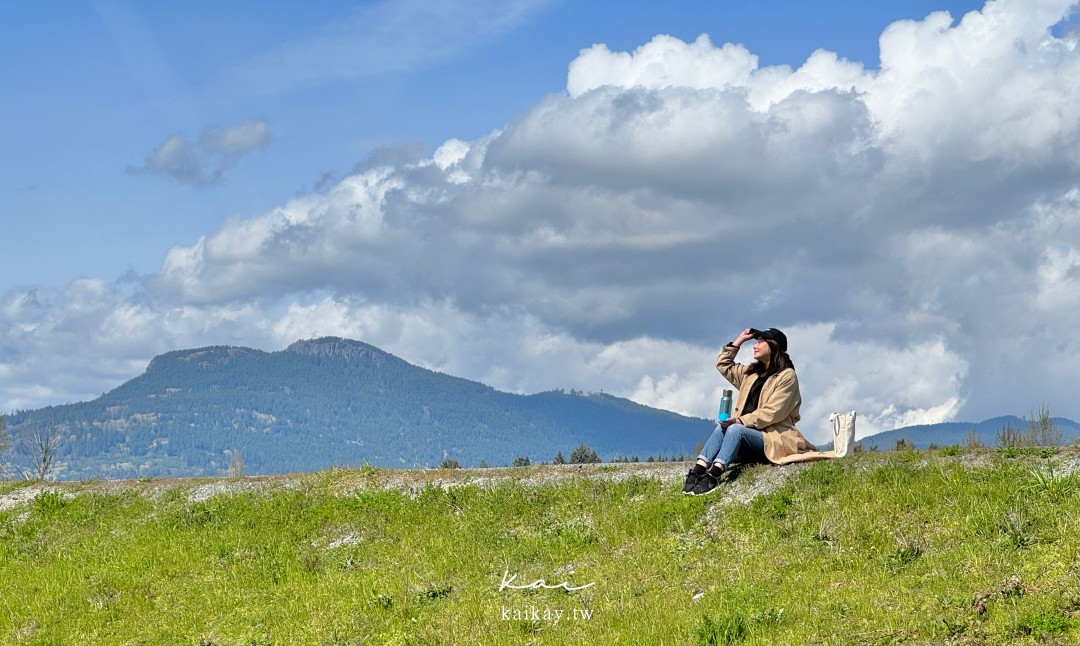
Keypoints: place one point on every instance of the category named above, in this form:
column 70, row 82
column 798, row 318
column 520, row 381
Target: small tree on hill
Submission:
column 583, row 455
column 236, row 465
column 5, row 444
column 904, row 444
column 5, row 441
column 450, row 463
column 1009, row 436
column 1042, row 429
column 559, row 459
column 38, row 448
column 972, row 440
column 522, row 461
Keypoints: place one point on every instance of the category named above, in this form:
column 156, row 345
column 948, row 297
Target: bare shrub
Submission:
column 972, row 439
column 38, row 448
column 1009, row 437
column 236, row 465
column 1042, row 429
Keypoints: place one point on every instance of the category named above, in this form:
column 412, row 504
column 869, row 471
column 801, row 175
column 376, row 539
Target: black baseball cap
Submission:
column 771, row 334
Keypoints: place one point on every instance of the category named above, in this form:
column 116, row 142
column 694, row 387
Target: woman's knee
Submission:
column 742, row 436
column 746, row 437
column 739, row 430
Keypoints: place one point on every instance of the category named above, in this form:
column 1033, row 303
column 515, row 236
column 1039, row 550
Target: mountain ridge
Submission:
column 333, row 401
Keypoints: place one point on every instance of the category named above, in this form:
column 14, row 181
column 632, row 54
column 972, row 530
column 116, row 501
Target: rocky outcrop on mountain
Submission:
column 338, row 348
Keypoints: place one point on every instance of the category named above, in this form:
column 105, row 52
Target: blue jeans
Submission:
column 737, row 441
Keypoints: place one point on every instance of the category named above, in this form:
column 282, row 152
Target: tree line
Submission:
column 582, row 454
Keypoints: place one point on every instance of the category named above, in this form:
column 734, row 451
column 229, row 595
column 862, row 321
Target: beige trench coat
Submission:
column 777, row 411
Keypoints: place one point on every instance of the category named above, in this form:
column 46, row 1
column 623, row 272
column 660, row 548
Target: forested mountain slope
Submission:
column 331, row 401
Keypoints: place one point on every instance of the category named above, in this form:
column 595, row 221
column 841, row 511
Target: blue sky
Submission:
column 539, row 194
column 93, row 87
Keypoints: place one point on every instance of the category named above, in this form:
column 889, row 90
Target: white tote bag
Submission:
column 843, row 430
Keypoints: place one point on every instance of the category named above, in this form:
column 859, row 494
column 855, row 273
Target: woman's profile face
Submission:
column 762, row 350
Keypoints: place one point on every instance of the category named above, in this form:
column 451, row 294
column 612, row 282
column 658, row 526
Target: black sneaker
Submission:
column 691, row 482
column 705, row 484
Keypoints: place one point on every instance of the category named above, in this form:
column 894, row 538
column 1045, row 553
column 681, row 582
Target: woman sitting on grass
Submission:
column 762, row 426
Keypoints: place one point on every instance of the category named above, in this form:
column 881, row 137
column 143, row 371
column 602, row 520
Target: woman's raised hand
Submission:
column 743, row 337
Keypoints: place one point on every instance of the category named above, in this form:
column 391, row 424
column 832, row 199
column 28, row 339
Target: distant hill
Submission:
column 333, row 401
column 955, row 433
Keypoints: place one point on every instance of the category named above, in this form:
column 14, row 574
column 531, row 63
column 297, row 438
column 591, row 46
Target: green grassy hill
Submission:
column 913, row 547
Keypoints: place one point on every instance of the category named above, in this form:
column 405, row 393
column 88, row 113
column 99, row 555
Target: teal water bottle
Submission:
column 725, row 407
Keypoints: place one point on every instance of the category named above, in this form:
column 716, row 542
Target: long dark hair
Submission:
column 778, row 360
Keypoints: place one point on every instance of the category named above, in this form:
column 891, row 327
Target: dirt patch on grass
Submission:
column 751, row 482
